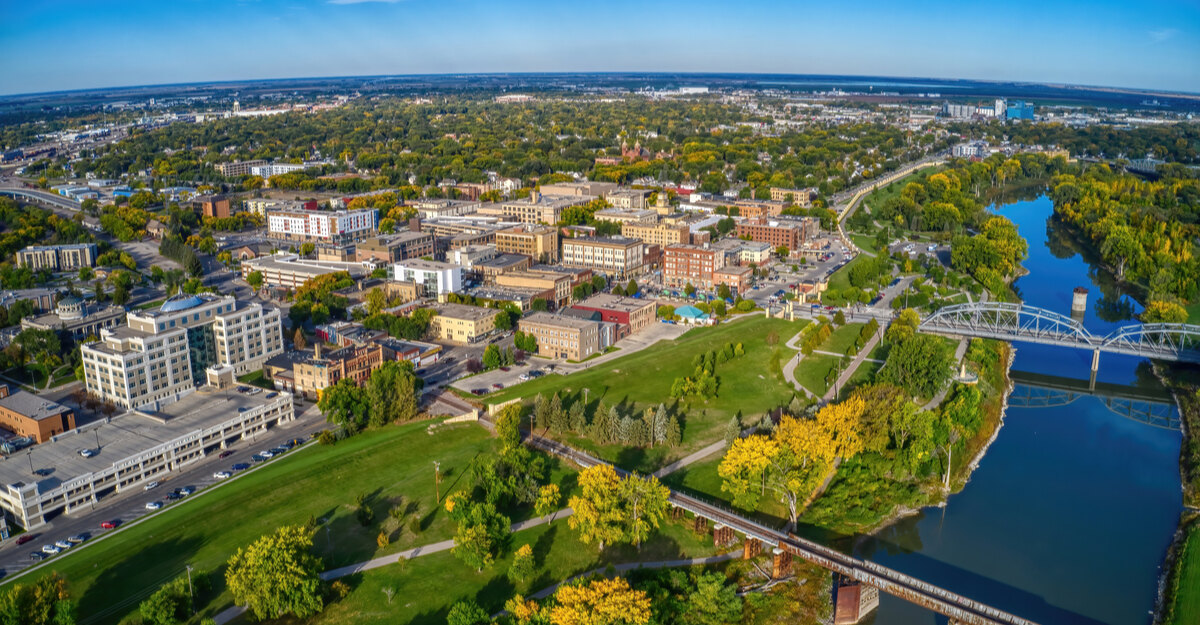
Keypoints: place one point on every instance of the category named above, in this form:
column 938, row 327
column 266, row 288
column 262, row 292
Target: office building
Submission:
column 538, row 208
column 436, row 208
column 136, row 447
column 162, row 354
column 436, row 277
column 735, row 277
column 617, row 256
column 538, row 243
column 260, row 206
column 237, row 168
column 774, row 233
column 559, row 285
column 336, row 227
column 1019, row 110
column 628, row 199
column 77, row 317
column 38, row 418
column 57, row 257
column 586, row 189
column 289, row 271
column 461, row 324
column 663, row 234
column 562, row 336
column 633, row 315
column 691, row 264
column 625, row 216
column 391, row 248
column 217, row 206
column 800, row 197
column 313, row 374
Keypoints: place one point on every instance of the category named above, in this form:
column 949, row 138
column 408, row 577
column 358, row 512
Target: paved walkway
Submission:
column 831, row 392
column 959, row 352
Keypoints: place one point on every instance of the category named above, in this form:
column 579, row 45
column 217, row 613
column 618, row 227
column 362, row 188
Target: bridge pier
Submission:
column 722, row 535
column 782, row 564
column 751, row 547
column 700, row 525
column 854, row 601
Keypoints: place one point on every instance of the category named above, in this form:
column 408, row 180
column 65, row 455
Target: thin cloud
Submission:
column 362, row 1
column 1159, row 36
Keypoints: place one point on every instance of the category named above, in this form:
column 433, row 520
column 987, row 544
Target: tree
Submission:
column 394, row 393
column 548, row 500
column 732, row 430
column 344, row 404
column 632, row 287
column 576, row 417
column 44, row 602
column 783, row 251
column 482, row 531
column 491, row 357
column 674, row 432
column 298, row 340
column 376, row 301
column 904, row 326
column 522, row 565
column 277, row 575
column 614, row 510
column 467, row 612
column 1158, row 311
column 920, row 364
column 174, row 601
column 508, row 429
column 600, row 601
column 689, row 290
column 307, row 249
column 539, row 305
column 645, row 501
column 712, row 601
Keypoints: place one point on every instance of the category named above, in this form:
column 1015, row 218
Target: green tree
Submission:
column 522, row 566
column 277, row 575
column 173, row 602
column 255, row 280
column 344, row 404
column 44, row 602
column 548, row 500
column 491, row 357
column 482, row 531
column 712, row 601
column 393, row 393
column 920, row 364
column 376, row 301
column 467, row 612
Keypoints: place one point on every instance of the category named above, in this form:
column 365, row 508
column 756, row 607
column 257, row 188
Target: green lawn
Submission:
column 1185, row 604
column 154, row 304
column 110, row 577
column 840, row 279
column 811, row 372
column 639, row 380
column 256, row 378
column 1193, row 311
column 842, row 339
column 425, row 587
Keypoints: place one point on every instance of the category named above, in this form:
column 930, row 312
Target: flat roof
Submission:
column 303, row 267
column 608, row 301
column 611, row 241
column 502, row 260
column 32, row 406
column 463, row 311
column 125, row 435
column 427, row 265
column 545, row 318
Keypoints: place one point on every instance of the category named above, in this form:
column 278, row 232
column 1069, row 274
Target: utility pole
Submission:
column 191, row 593
column 437, row 480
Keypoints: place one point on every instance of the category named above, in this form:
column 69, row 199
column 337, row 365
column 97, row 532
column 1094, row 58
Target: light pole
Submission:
column 437, row 480
column 29, row 454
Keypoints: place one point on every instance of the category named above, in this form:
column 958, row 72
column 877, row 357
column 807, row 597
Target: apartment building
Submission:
column 587, row 189
column 334, row 227
column 628, row 199
column 391, row 248
column 561, row 336
column 773, row 233
column 57, row 257
column 434, row 208
column 755, row 209
column 536, row 242
column 625, row 215
column 458, row 323
column 435, row 276
column 326, row 368
column 658, row 234
column 212, row 206
column 238, row 168
column 691, row 264
column 800, row 197
column 539, row 208
column 559, row 284
column 161, row 355
column 735, row 277
column 260, row 206
column 616, row 256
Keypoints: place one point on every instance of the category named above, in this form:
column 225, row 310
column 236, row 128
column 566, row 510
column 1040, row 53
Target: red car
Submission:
column 109, row 525
column 226, row 453
column 24, row 538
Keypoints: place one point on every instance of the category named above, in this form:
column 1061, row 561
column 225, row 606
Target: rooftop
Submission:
column 32, row 406
column 609, row 241
column 545, row 318
column 312, row 268
column 127, row 435
column 608, row 301
column 463, row 311
column 427, row 265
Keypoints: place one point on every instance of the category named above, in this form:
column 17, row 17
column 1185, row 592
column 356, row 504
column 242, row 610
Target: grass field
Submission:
column 842, row 339
column 1185, row 604
column 811, row 372
column 424, row 588
column 110, row 577
column 643, row 379
column 256, row 378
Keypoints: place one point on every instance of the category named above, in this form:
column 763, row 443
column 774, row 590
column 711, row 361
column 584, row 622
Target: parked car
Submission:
column 87, row 453
column 153, row 505
column 62, row 544
column 172, row 496
column 479, row 391
column 497, row 386
column 50, row 549
column 524, row 377
column 150, row 486
column 24, row 538
column 505, row 368
column 279, row 451
column 187, row 490
column 76, row 539
column 266, row 454
column 241, row 466
column 220, row 475
column 225, row 454
column 110, row 525
column 37, row 556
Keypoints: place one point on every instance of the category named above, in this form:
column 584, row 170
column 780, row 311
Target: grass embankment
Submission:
column 747, row 386
column 110, row 577
column 1181, row 602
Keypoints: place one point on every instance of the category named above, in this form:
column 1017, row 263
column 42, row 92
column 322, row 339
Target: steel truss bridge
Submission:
column 959, row 609
column 1018, row 322
column 1155, row 408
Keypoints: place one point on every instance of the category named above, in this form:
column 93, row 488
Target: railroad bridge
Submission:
column 785, row 546
column 1018, row 322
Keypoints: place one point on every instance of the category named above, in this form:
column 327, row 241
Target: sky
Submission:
column 51, row 45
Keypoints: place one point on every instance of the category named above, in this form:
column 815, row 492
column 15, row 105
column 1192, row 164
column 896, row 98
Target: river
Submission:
column 1070, row 512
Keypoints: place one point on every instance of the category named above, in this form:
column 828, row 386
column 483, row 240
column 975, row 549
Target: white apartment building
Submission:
column 276, row 169
column 162, row 355
column 437, row 277
column 335, row 227
column 616, row 256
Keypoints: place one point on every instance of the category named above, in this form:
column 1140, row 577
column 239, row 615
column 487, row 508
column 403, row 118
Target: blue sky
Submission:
column 73, row 44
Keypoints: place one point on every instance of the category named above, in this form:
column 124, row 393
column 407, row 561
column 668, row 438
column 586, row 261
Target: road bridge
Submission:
column 1018, row 322
column 39, row 197
column 1153, row 407
column 957, row 608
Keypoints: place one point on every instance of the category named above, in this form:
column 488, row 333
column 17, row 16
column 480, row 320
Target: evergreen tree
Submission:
column 541, row 417
column 660, row 424
column 558, row 416
column 732, row 430
column 625, row 431
column 674, row 435
column 612, row 425
column 577, row 418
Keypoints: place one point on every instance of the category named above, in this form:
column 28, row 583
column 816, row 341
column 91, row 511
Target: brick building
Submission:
column 391, row 248
column 26, row 414
column 619, row 257
column 773, row 233
column 538, row 243
column 691, row 264
column 560, row 336
column 631, row 314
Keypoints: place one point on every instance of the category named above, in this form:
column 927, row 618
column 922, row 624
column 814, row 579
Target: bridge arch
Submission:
column 1007, row 321
column 1172, row 341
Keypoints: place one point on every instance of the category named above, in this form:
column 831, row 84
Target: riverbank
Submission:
column 1179, row 588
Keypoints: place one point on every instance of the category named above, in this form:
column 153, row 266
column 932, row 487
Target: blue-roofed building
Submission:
column 693, row 315
column 1019, row 110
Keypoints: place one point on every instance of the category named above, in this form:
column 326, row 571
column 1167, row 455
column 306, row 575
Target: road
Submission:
column 131, row 505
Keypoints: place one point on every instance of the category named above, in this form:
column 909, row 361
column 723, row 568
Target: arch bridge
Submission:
column 1019, row 322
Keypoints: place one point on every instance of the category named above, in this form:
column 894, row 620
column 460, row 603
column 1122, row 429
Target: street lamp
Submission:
column 437, row 480
column 29, row 454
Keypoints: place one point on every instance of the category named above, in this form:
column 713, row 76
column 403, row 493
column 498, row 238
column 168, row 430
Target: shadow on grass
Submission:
column 135, row 578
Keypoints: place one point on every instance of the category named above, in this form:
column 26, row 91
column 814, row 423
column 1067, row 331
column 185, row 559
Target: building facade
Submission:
column 217, row 206
column 77, row 317
column 538, row 208
column 559, row 285
column 800, row 197
column 773, row 233
column 691, row 264
column 436, row 277
column 461, row 324
column 289, row 271
column 657, row 234
column 560, row 336
column 619, row 257
column 26, row 414
column 161, row 355
column 334, row 227
column 631, row 313
column 391, row 248
column 538, row 243
column 57, row 257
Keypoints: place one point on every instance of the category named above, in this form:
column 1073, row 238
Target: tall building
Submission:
column 57, row 257
column 161, row 355
column 617, row 256
column 773, row 233
column 691, row 264
column 800, row 197
column 391, row 248
column 538, row 243
column 538, row 208
column 437, row 277
column 323, row 226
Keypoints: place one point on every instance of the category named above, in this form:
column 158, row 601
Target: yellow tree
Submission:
column 744, row 469
column 600, row 602
column 598, row 515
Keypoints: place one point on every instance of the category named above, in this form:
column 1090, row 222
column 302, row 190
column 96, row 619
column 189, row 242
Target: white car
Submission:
column 62, row 544
column 220, row 475
column 150, row 486
column 265, row 454
column 153, row 505
column 50, row 549
column 87, row 453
